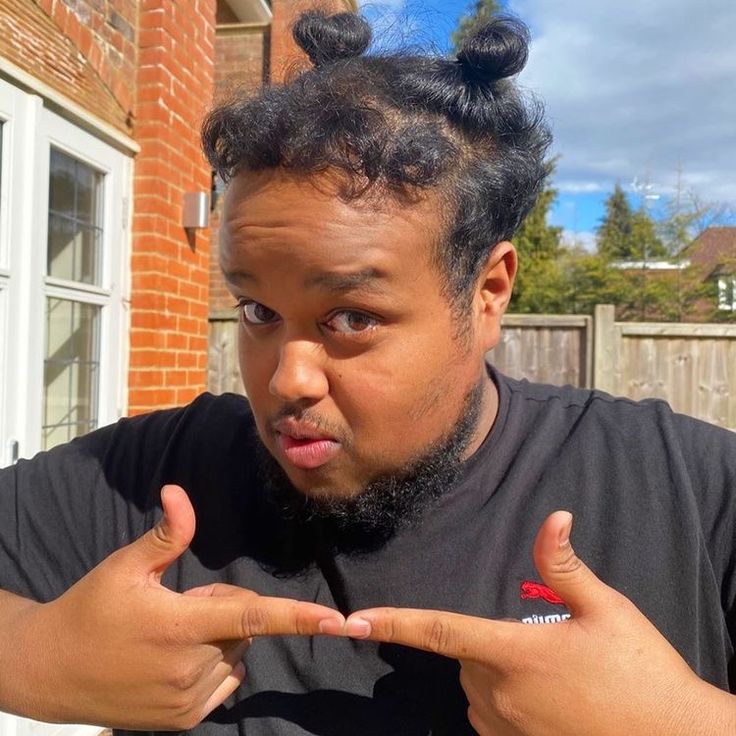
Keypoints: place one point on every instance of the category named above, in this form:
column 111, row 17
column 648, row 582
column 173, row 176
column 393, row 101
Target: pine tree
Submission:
column 615, row 234
column 626, row 234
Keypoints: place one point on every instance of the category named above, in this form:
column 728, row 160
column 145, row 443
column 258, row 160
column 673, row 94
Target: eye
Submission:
column 255, row 313
column 352, row 323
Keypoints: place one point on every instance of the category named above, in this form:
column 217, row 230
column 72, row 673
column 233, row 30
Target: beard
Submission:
column 368, row 517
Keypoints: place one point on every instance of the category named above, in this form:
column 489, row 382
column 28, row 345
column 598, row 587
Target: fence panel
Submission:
column 691, row 366
column 546, row 348
column 223, row 372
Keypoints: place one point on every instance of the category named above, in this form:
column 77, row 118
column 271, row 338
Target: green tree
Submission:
column 540, row 284
column 626, row 234
column 481, row 11
column 614, row 236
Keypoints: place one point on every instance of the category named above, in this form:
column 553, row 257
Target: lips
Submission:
column 303, row 445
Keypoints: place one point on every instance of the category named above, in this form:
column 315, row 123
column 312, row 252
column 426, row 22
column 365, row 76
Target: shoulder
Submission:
column 137, row 454
column 615, row 414
column 205, row 420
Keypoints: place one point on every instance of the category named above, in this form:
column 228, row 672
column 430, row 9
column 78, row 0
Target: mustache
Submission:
column 309, row 416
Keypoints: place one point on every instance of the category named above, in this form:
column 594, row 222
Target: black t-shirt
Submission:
column 653, row 494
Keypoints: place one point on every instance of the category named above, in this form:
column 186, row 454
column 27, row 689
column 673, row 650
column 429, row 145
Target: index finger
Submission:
column 218, row 618
column 442, row 632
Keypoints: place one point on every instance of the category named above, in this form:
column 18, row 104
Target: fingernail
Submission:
column 332, row 626
column 564, row 538
column 358, row 628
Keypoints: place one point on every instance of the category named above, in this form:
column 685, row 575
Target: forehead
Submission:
column 304, row 222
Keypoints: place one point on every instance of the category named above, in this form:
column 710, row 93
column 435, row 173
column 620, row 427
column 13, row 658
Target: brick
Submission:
column 153, row 320
column 142, row 339
column 178, row 342
column 121, row 25
column 186, row 324
column 176, row 378
column 85, row 40
column 153, row 300
column 142, row 379
column 187, row 360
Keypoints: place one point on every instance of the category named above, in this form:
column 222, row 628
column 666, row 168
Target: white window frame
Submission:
column 727, row 294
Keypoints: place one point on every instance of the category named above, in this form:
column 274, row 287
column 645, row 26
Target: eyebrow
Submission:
column 368, row 279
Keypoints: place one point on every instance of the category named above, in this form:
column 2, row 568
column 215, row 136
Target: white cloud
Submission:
column 581, row 239
column 637, row 88
column 571, row 186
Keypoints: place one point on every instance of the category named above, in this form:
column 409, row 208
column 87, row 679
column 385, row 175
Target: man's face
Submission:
column 352, row 358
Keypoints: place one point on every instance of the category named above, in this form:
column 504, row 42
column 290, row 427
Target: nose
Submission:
column 299, row 374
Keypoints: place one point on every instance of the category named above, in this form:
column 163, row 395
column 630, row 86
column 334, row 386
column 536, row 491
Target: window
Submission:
column 727, row 294
column 74, row 257
column 64, row 266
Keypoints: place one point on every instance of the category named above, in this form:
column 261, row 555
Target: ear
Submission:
column 493, row 292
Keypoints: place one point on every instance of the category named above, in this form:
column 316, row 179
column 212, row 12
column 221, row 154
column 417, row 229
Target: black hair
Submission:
column 400, row 123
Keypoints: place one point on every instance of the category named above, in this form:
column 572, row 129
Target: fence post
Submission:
column 604, row 356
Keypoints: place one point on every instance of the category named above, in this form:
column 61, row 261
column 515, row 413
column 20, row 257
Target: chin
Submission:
column 322, row 489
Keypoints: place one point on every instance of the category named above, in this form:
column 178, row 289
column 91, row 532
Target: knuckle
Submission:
column 505, row 708
column 386, row 627
column 566, row 561
column 183, row 680
column 188, row 719
column 158, row 537
column 255, row 621
column 437, row 636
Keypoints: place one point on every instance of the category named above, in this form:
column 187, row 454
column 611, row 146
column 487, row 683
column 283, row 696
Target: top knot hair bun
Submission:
column 328, row 38
column 495, row 50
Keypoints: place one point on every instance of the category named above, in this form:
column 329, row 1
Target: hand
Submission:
column 118, row 649
column 605, row 671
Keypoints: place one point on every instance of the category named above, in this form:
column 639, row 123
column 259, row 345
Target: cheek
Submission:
column 256, row 368
column 409, row 398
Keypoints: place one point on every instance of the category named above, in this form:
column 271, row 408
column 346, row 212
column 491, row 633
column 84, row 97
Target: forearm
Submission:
column 18, row 670
column 705, row 711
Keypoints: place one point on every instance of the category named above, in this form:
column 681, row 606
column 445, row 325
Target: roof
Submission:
column 714, row 246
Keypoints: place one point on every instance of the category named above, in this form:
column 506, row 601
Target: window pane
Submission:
column 1, row 173
column 75, row 220
column 71, row 370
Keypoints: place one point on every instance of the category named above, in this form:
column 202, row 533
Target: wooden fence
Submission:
column 692, row 366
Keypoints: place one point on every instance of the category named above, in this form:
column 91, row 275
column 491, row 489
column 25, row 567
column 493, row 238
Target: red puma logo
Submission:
column 537, row 590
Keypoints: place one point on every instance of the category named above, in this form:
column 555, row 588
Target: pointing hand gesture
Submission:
column 119, row 649
column 605, row 671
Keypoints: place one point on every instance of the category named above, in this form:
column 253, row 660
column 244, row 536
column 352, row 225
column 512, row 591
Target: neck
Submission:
column 488, row 414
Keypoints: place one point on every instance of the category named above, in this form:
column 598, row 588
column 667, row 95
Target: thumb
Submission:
column 562, row 570
column 169, row 539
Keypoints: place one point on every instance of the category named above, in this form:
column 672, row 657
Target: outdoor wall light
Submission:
column 196, row 212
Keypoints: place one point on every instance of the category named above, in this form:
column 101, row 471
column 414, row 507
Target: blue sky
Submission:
column 635, row 90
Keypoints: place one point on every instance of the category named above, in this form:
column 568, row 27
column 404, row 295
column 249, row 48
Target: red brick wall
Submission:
column 169, row 303
column 85, row 54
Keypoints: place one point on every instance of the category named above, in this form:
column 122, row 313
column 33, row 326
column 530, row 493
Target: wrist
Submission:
column 705, row 711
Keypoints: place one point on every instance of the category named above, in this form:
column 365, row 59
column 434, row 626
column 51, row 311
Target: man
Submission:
column 379, row 462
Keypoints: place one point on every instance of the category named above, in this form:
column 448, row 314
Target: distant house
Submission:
column 714, row 251
column 706, row 269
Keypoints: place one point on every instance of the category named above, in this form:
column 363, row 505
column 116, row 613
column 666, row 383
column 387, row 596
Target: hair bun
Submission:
column 327, row 38
column 495, row 50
